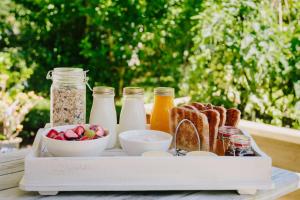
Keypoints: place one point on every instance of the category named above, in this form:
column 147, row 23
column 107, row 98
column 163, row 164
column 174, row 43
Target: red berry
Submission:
column 84, row 138
column 95, row 137
column 59, row 137
column 98, row 130
column 62, row 134
column 70, row 134
column 52, row 133
column 94, row 127
column 79, row 130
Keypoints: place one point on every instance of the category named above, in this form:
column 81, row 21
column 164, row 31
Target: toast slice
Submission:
column 186, row 138
column 208, row 105
column 222, row 112
column 190, row 107
column 199, row 106
column 233, row 116
column 213, row 118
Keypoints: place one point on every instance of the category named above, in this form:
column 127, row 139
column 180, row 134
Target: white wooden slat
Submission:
column 10, row 180
column 15, row 155
column 12, row 168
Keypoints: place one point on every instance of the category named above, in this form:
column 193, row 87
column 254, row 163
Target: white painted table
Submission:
column 285, row 182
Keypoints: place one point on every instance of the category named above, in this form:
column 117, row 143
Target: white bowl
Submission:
column 65, row 148
column 136, row 142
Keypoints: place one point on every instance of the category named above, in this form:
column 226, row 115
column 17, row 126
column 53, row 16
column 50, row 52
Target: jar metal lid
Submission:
column 67, row 69
column 104, row 90
column 67, row 74
column 164, row 91
column 227, row 131
column 240, row 141
column 133, row 91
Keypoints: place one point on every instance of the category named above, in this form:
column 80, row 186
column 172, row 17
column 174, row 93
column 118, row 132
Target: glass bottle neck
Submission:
column 133, row 96
column 103, row 96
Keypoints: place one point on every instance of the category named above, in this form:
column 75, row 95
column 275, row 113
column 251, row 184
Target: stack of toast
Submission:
column 207, row 119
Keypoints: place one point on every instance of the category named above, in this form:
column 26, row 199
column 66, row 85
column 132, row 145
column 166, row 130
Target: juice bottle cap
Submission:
column 164, row 91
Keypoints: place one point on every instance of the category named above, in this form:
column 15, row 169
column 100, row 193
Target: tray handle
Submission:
column 175, row 135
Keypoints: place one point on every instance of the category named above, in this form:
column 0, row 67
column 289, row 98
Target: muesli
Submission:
column 68, row 105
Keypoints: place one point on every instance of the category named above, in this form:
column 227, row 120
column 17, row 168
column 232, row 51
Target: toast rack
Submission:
column 181, row 152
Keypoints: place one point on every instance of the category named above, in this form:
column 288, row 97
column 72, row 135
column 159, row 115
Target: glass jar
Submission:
column 240, row 145
column 133, row 115
column 103, row 112
column 68, row 96
column 224, row 134
column 163, row 102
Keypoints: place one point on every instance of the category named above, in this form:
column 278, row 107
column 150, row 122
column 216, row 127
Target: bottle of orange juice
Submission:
column 163, row 102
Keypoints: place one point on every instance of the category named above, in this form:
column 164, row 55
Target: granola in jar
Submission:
column 68, row 96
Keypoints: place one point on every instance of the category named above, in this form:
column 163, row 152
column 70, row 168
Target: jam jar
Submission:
column 223, row 138
column 240, row 145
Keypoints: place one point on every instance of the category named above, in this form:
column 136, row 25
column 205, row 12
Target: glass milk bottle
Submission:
column 103, row 112
column 133, row 115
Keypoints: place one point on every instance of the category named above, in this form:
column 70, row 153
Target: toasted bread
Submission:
column 233, row 117
column 199, row 106
column 186, row 138
column 222, row 112
column 208, row 105
column 213, row 118
column 191, row 107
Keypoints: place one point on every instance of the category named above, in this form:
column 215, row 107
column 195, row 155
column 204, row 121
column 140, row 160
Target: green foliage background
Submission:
column 230, row 52
column 242, row 58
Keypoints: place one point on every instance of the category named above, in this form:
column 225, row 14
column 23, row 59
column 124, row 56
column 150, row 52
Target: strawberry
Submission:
column 79, row 130
column 98, row 130
column 84, row 138
column 52, row 133
column 59, row 137
column 95, row 137
column 62, row 134
column 70, row 134
column 94, row 127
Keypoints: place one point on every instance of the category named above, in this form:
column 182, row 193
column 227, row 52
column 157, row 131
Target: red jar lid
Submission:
column 227, row 131
column 240, row 141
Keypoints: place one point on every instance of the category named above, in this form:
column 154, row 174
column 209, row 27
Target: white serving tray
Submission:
column 115, row 171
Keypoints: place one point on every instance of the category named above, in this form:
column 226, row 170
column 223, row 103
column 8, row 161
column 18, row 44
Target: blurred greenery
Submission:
column 242, row 57
column 228, row 52
column 37, row 118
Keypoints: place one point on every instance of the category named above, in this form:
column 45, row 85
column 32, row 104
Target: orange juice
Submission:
column 163, row 102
